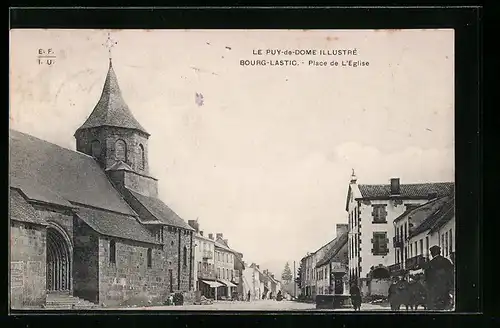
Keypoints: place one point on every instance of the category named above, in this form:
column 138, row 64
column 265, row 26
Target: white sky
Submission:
column 267, row 159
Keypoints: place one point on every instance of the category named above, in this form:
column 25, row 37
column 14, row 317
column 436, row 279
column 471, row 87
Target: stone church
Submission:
column 89, row 223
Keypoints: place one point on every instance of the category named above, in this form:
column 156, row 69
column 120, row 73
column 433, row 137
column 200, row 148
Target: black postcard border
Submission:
column 466, row 21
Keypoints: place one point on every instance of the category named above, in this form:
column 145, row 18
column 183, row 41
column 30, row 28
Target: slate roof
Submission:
column 49, row 173
column 443, row 214
column 119, row 166
column 21, row 210
column 115, row 225
column 416, row 190
column 446, row 213
column 111, row 110
column 160, row 211
column 421, row 209
column 335, row 248
column 222, row 244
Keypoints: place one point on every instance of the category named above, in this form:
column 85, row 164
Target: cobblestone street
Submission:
column 261, row 305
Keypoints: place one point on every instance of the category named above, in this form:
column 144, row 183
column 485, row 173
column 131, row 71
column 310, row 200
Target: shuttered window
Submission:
column 379, row 213
column 380, row 243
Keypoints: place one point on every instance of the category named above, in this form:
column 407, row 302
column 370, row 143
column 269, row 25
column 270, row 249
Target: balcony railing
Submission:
column 207, row 254
column 395, row 267
column 416, row 262
column 206, row 273
column 397, row 242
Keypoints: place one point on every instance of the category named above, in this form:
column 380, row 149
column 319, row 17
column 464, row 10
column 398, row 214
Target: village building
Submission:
column 372, row 210
column 253, row 282
column 224, row 266
column 310, row 273
column 205, row 280
column 332, row 269
column 88, row 223
column 238, row 267
column 430, row 224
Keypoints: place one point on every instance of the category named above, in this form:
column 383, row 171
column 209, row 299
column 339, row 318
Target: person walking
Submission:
column 439, row 280
column 355, row 296
column 248, row 296
column 393, row 294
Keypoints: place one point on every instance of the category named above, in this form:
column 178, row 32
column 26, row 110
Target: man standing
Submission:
column 439, row 280
column 355, row 296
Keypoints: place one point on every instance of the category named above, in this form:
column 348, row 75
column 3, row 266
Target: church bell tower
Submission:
column 116, row 140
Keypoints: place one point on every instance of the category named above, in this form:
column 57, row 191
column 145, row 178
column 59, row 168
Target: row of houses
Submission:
column 260, row 283
column 325, row 270
column 390, row 230
column 218, row 268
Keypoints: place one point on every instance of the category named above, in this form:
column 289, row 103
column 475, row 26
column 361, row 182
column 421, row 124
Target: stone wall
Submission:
column 130, row 281
column 145, row 185
column 28, row 264
column 85, row 262
column 61, row 218
column 175, row 240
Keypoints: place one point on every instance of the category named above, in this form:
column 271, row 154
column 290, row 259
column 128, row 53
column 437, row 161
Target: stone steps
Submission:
column 67, row 302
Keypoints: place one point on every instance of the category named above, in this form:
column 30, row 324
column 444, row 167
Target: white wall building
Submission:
column 411, row 236
column 372, row 210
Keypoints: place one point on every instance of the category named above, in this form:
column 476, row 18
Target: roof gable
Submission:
column 21, row 210
column 52, row 174
column 438, row 216
column 111, row 110
column 337, row 245
column 160, row 210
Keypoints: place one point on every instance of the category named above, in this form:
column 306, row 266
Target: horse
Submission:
column 399, row 294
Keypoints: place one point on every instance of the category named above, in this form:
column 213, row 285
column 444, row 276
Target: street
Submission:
column 260, row 305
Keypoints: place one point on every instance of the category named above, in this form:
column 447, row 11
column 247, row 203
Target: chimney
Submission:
column 341, row 229
column 194, row 224
column 432, row 195
column 395, row 188
column 219, row 235
column 201, row 233
column 211, row 236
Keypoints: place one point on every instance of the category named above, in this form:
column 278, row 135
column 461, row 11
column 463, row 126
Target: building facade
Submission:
column 204, row 262
column 224, row 266
column 334, row 262
column 372, row 210
column 430, row 224
column 89, row 223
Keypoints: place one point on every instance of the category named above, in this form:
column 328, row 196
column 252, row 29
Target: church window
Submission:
column 150, row 257
column 120, row 150
column 96, row 148
column 184, row 256
column 112, row 251
column 142, row 158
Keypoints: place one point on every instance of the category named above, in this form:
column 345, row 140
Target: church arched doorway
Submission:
column 58, row 261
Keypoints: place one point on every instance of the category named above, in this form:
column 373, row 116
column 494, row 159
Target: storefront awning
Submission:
column 212, row 284
column 227, row 283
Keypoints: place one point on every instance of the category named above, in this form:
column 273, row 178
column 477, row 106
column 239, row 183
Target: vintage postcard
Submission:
column 268, row 170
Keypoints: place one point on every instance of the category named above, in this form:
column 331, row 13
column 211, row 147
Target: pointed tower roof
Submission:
column 111, row 110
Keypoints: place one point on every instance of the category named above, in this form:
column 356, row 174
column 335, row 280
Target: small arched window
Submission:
column 184, row 256
column 142, row 157
column 96, row 148
column 150, row 257
column 112, row 252
column 120, row 150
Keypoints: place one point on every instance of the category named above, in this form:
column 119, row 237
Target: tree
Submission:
column 298, row 279
column 287, row 275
